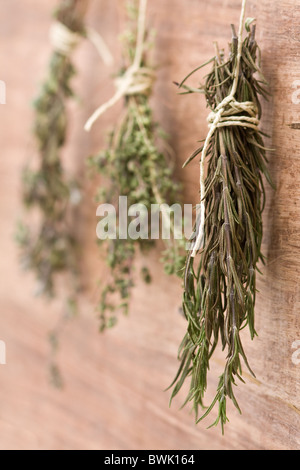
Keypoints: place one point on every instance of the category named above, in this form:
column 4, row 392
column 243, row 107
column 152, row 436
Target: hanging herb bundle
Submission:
column 136, row 168
column 52, row 249
column 220, row 272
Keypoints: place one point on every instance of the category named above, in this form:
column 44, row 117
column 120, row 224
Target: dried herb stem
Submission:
column 135, row 168
column 49, row 249
column 220, row 282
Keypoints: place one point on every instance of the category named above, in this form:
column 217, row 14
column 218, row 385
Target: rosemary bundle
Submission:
column 135, row 168
column 220, row 271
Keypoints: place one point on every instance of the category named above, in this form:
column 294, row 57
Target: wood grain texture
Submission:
column 113, row 396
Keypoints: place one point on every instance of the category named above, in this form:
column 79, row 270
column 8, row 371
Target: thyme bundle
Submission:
column 52, row 249
column 136, row 168
column 220, row 271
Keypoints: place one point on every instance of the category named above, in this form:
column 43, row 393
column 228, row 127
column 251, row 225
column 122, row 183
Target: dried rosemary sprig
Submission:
column 51, row 250
column 220, row 283
column 135, row 168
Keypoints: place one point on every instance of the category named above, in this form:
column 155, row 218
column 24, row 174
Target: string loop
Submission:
column 63, row 39
column 228, row 114
column 136, row 80
column 225, row 114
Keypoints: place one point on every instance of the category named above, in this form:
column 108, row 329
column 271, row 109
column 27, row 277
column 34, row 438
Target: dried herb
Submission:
column 220, row 272
column 135, row 168
column 50, row 249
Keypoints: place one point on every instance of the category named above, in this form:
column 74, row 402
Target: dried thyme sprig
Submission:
column 137, row 169
column 220, row 286
column 52, row 249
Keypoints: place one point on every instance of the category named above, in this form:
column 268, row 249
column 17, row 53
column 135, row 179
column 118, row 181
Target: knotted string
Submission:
column 229, row 116
column 136, row 79
column 65, row 41
column 225, row 114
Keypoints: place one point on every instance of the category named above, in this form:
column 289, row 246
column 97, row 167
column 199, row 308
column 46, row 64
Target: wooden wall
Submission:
column 114, row 383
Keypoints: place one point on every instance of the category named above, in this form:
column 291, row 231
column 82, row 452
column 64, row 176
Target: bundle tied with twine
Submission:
column 137, row 79
column 133, row 166
column 220, row 270
column 68, row 31
column 50, row 249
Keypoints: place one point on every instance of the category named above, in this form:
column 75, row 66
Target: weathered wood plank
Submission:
column 114, row 398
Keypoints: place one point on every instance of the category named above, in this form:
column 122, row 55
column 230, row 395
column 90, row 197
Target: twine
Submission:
column 136, row 79
column 100, row 45
column 225, row 114
column 65, row 41
column 228, row 116
column 138, row 82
